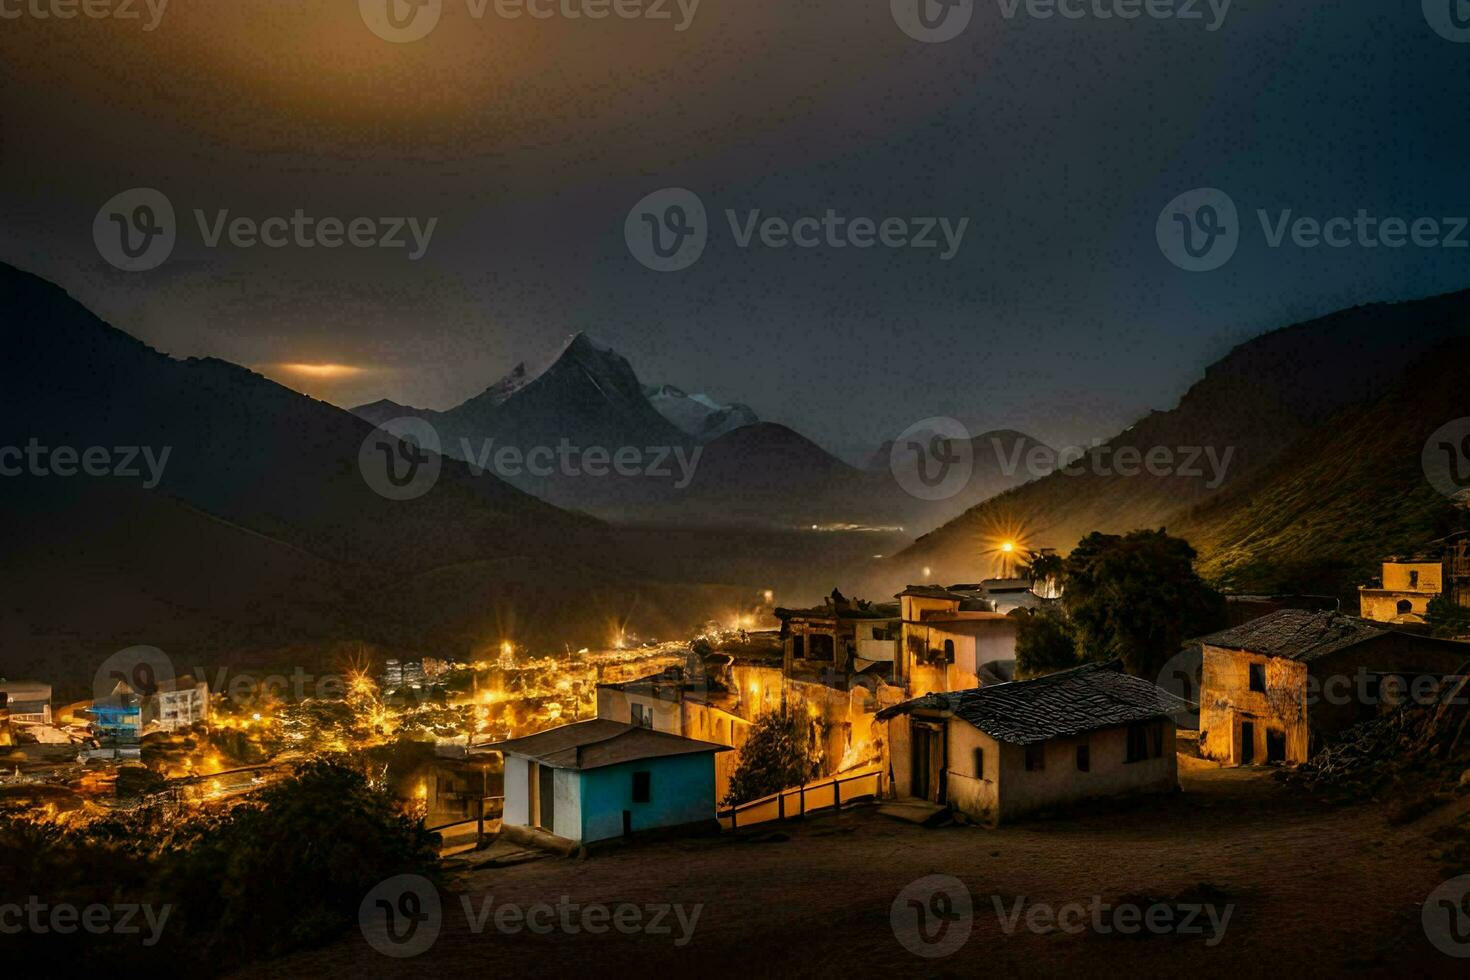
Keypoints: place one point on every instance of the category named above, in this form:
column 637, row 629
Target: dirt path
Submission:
column 1314, row 892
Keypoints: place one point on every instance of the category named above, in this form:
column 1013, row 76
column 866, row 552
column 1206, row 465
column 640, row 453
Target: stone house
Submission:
column 999, row 752
column 1273, row 688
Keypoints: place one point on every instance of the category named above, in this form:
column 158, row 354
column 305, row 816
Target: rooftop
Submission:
column 598, row 743
column 1069, row 702
column 1297, row 634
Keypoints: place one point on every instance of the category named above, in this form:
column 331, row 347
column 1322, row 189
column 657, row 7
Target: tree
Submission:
column 777, row 754
column 1447, row 618
column 1137, row 597
column 1044, row 566
column 1044, row 642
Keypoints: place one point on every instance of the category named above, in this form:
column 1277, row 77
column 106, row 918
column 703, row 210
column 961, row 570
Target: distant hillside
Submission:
column 1344, row 496
column 262, row 533
column 1275, row 404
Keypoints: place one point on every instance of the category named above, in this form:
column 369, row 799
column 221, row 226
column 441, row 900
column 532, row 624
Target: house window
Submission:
column 1258, row 677
column 949, row 651
column 979, row 763
column 1404, row 607
column 821, row 647
column 1036, row 757
column 1145, row 740
column 642, row 787
column 642, row 716
column 1413, row 580
column 798, row 648
column 1084, row 757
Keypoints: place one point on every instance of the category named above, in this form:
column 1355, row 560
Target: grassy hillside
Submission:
column 1325, row 422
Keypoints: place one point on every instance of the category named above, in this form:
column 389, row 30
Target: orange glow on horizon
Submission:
column 320, row 371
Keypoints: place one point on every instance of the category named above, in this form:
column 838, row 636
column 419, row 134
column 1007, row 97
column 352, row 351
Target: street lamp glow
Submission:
column 1008, row 547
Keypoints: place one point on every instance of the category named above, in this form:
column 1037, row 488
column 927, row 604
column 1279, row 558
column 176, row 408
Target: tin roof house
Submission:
column 599, row 780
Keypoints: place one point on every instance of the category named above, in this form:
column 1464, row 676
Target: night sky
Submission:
column 530, row 141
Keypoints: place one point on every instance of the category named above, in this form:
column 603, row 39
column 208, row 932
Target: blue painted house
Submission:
column 601, row 779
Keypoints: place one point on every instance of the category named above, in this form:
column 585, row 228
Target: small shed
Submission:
column 597, row 780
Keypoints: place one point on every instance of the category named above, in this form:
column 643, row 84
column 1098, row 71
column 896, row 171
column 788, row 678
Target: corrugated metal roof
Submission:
column 598, row 743
column 1069, row 702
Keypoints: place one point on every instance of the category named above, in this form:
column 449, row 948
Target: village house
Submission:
column 29, row 702
column 1273, row 688
column 1409, row 583
column 998, row 752
column 841, row 636
column 952, row 639
column 598, row 780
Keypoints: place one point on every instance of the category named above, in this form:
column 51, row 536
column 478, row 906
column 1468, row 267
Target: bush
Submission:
column 286, row 870
column 777, row 754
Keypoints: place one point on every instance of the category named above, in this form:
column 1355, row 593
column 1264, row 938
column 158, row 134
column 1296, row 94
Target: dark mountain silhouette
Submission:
column 261, row 533
column 1272, row 403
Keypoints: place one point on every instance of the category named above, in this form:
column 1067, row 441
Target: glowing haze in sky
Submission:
column 530, row 140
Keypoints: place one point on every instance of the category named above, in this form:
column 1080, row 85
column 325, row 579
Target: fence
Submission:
column 477, row 821
column 833, row 793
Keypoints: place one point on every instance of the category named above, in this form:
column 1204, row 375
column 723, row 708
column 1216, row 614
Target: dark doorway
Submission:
column 922, row 756
column 1275, row 746
column 1247, row 743
column 547, row 797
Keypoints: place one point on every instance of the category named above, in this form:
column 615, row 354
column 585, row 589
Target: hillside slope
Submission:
column 1253, row 410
